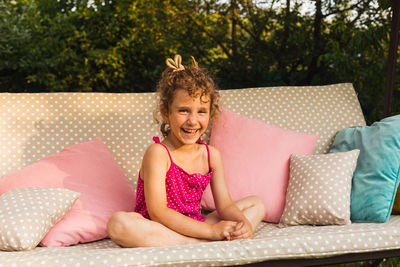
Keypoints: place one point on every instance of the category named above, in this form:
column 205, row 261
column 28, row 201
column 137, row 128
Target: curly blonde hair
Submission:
column 196, row 81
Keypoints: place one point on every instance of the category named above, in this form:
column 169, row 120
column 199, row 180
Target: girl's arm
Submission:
column 153, row 172
column 226, row 208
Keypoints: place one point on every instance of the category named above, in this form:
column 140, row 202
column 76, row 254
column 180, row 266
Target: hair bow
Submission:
column 175, row 64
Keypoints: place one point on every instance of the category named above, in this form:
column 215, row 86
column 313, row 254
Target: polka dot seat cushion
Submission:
column 270, row 243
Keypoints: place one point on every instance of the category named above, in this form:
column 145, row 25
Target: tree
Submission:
column 16, row 31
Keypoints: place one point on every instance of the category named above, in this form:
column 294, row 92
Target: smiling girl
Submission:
column 175, row 172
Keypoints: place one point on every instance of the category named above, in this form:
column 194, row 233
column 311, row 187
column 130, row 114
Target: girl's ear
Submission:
column 164, row 115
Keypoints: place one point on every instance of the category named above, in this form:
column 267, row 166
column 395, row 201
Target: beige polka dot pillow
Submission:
column 27, row 214
column 319, row 189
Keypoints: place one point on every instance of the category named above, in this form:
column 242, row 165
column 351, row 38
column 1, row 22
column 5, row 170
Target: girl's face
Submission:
column 188, row 118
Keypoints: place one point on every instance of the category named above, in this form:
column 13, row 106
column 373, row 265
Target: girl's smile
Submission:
column 188, row 118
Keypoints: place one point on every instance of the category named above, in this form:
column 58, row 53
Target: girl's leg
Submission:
column 252, row 207
column 131, row 229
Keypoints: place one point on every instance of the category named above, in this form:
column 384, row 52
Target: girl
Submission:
column 175, row 172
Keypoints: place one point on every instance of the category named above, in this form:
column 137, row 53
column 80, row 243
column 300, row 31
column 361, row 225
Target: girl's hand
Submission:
column 222, row 230
column 243, row 230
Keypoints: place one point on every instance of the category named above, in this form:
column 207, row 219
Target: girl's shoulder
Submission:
column 156, row 151
column 155, row 162
column 215, row 155
column 213, row 150
column 156, row 158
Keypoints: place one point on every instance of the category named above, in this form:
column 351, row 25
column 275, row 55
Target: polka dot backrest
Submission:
column 33, row 126
column 321, row 110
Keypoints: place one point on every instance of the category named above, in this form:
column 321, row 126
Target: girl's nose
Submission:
column 192, row 118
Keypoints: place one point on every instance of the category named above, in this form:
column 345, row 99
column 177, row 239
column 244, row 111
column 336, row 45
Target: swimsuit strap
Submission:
column 208, row 152
column 157, row 140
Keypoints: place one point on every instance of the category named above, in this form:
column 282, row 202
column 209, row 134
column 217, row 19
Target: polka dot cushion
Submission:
column 319, row 189
column 87, row 168
column 27, row 214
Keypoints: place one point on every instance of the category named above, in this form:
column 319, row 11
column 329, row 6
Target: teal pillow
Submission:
column 376, row 176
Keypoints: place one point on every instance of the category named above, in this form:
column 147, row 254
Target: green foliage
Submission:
column 121, row 46
column 15, row 36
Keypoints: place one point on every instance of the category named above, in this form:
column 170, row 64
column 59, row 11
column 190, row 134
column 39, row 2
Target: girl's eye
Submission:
column 183, row 110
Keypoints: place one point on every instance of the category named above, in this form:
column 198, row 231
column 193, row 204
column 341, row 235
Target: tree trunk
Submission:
column 316, row 49
column 234, row 25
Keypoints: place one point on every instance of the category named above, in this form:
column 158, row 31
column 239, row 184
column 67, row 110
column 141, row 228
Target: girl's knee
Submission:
column 120, row 223
column 258, row 200
column 258, row 203
column 116, row 224
column 261, row 206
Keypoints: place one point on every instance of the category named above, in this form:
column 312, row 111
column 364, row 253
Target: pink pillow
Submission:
column 87, row 168
column 256, row 158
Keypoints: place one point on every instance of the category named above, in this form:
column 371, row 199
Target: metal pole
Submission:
column 392, row 58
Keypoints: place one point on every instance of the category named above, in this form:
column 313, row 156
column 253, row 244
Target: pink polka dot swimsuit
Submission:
column 184, row 190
